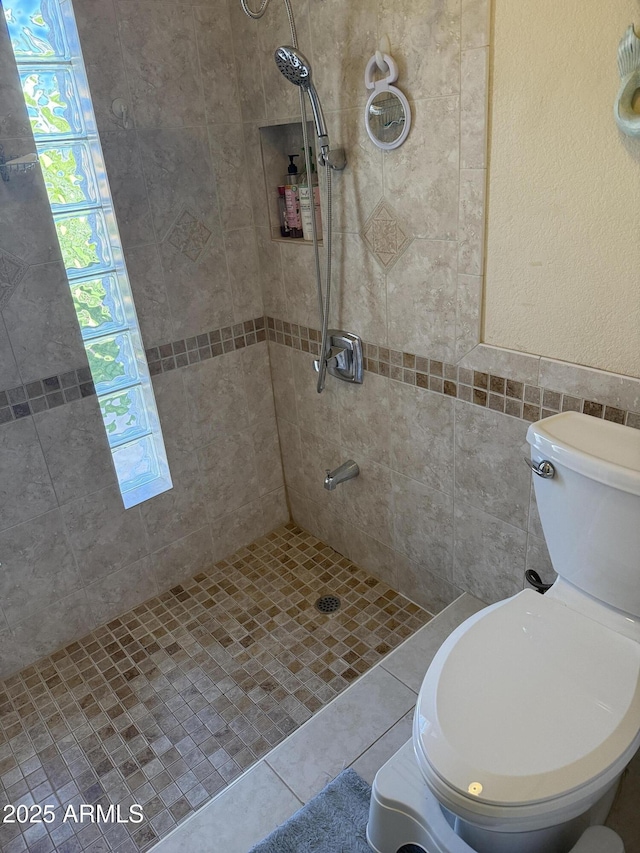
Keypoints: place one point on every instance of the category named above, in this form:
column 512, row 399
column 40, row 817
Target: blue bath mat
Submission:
column 334, row 821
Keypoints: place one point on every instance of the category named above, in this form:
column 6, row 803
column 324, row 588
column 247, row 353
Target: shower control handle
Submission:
column 543, row 468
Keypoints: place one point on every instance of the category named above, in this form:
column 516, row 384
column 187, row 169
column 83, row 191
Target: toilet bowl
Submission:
column 530, row 711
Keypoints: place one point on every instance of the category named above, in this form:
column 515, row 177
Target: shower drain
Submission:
column 328, row 604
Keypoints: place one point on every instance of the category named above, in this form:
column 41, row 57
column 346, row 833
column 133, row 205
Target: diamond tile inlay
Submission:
column 189, row 235
column 385, row 235
column 12, row 270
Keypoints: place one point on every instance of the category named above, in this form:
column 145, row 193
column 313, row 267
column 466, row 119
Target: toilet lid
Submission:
column 526, row 701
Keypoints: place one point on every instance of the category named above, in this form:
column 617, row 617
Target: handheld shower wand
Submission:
column 293, row 65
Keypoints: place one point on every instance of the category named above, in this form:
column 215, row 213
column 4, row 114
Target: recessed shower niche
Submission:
column 277, row 143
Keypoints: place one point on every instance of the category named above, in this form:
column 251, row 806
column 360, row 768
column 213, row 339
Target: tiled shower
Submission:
column 228, row 318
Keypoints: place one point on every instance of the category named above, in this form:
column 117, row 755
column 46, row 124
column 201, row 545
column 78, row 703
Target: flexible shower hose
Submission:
column 324, row 300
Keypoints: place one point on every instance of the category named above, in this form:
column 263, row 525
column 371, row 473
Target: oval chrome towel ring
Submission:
column 544, row 468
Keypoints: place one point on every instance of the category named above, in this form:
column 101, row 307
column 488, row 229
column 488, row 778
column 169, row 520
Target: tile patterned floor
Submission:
column 166, row 705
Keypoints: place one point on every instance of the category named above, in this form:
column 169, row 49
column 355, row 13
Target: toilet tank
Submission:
column 590, row 509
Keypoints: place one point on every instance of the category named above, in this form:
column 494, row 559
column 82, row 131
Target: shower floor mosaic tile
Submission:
column 166, row 705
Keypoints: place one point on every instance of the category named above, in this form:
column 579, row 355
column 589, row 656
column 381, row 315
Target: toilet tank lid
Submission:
column 600, row 450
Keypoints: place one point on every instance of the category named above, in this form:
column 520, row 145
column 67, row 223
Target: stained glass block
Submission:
column 136, row 463
column 52, row 102
column 35, row 29
column 124, row 415
column 112, row 362
column 98, row 305
column 68, row 175
column 84, row 242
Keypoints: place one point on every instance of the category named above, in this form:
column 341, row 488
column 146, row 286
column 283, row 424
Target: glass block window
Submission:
column 45, row 42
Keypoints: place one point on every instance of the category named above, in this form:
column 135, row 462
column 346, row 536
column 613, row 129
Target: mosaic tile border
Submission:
column 53, row 391
column 499, row 393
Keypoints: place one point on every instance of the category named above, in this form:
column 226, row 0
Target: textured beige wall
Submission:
column 563, row 252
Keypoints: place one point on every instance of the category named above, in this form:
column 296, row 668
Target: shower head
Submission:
column 293, row 65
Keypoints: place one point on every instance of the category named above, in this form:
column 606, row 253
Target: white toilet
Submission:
column 530, row 710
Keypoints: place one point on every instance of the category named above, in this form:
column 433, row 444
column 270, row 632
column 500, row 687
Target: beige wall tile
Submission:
column 183, row 559
column 421, row 178
column 244, row 274
column 421, row 299
column 489, row 555
column 473, row 108
column 214, row 38
column 365, row 419
column 26, row 490
column 228, row 472
column 490, row 472
column 471, row 222
column 216, row 397
column 122, row 590
column 422, row 435
column 284, row 389
column 427, row 589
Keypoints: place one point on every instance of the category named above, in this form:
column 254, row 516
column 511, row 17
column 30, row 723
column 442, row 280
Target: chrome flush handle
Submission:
column 543, row 468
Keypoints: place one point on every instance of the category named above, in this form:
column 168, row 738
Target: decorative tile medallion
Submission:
column 385, row 235
column 189, row 235
column 12, row 270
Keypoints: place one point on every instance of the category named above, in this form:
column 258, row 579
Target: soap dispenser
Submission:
column 292, row 199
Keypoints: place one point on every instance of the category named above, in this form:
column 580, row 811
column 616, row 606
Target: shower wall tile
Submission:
column 342, row 40
column 102, row 54
column 103, row 534
column 471, row 222
column 476, row 23
column 503, row 362
column 535, row 525
column 421, row 178
column 275, row 508
column 173, row 411
column 183, row 558
column 178, row 174
column 38, row 566
column 317, row 413
column 255, row 174
column 42, row 325
column 199, row 291
column 217, row 63
column 473, row 109
column 291, row 452
column 228, row 471
column 181, row 510
column 75, row 449
column 423, row 525
column 357, row 190
column 319, row 454
column 126, row 179
column 468, row 314
column 9, row 374
column 229, row 167
column 489, row 555
column 47, row 630
column 283, row 383
column 126, row 588
column 167, row 93
column 365, row 419
column 244, row 273
column 216, row 398
column 422, row 296
column 591, row 384
column 422, row 445
column 266, row 449
column 427, row 589
column 429, row 59
column 14, row 121
column 368, row 499
column 360, row 307
column 248, row 71
column 28, row 233
column 257, row 383
column 26, row 490
column 298, row 270
column 489, row 469
column 271, row 274
column 235, row 529
column 150, row 294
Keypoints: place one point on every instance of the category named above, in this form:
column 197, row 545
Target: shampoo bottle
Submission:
column 292, row 199
column 307, row 189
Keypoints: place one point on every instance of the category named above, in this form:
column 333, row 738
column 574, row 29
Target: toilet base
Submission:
column 403, row 811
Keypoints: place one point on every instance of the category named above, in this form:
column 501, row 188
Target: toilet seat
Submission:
column 528, row 702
